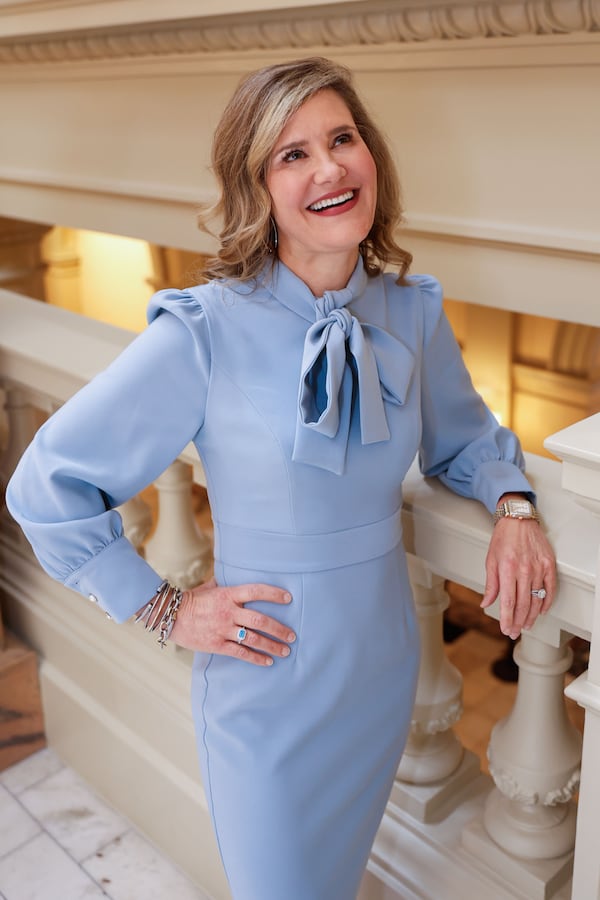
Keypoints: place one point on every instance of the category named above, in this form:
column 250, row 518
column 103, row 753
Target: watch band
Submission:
column 516, row 509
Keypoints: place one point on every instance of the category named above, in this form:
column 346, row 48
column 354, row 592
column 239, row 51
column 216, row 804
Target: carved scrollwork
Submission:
column 564, row 794
column 508, row 785
column 440, row 724
column 511, row 788
column 384, row 23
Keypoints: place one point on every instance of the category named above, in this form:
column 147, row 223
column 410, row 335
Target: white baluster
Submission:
column 434, row 761
column 178, row 550
column 22, row 420
column 534, row 756
column 137, row 521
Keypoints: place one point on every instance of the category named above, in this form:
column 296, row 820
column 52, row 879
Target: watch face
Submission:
column 519, row 508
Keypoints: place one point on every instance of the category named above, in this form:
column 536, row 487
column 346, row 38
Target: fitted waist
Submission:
column 269, row 551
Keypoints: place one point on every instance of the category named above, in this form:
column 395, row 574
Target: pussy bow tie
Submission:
column 340, row 352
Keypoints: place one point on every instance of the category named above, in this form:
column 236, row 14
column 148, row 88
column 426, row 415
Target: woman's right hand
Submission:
column 210, row 618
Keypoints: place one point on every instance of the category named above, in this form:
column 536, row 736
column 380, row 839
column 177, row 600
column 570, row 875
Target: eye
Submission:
column 291, row 155
column 344, row 138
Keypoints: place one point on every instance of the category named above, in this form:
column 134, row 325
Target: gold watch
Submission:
column 516, row 509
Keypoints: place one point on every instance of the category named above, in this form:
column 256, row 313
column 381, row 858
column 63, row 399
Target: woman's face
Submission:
column 323, row 184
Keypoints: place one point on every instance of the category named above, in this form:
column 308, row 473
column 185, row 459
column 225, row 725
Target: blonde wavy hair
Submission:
column 243, row 143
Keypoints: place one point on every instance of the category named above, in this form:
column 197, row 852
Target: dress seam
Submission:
column 208, row 786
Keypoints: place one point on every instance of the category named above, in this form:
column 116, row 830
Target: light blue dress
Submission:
column 307, row 414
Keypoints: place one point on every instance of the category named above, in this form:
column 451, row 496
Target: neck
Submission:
column 322, row 272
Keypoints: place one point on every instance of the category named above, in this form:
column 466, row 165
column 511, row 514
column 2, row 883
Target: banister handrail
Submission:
column 452, row 535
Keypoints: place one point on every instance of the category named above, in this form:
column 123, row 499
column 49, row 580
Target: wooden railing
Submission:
column 449, row 831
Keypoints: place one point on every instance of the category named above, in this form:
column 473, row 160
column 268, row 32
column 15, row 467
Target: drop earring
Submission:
column 274, row 236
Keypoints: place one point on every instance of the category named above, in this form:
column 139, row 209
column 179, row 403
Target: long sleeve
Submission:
column 462, row 443
column 104, row 445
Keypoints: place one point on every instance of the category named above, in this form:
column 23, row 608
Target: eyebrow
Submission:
column 293, row 145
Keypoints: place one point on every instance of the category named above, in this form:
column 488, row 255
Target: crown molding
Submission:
column 382, row 23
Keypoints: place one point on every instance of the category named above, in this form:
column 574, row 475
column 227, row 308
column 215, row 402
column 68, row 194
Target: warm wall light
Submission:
column 114, row 278
column 490, row 398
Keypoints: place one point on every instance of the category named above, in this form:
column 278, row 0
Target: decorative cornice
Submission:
column 383, row 23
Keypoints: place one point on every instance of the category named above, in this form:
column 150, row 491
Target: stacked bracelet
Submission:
column 161, row 611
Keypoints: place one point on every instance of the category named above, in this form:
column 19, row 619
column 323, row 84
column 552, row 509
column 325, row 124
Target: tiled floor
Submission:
column 59, row 841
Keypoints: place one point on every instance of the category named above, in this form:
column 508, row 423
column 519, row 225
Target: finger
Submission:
column 257, row 621
column 261, row 642
column 535, row 603
column 247, row 593
column 550, row 583
column 507, row 605
column 492, row 585
column 522, row 605
column 246, row 654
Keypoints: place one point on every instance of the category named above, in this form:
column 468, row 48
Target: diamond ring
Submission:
column 540, row 594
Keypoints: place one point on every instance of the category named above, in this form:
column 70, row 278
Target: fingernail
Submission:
column 291, row 637
column 268, row 661
column 285, row 651
column 287, row 598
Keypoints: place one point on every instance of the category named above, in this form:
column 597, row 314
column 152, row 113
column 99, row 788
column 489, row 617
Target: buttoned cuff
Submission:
column 118, row 579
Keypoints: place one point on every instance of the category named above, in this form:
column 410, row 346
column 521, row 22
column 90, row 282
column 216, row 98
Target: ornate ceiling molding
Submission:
column 382, row 23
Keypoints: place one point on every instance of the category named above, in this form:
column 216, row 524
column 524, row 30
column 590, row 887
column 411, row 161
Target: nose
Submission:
column 327, row 169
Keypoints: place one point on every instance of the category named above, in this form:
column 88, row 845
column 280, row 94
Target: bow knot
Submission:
column 341, row 318
column 383, row 367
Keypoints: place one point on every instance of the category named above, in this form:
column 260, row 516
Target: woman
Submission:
column 308, row 380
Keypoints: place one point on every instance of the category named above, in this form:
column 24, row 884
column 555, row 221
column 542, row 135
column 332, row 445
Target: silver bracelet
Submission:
column 146, row 612
column 168, row 619
column 161, row 611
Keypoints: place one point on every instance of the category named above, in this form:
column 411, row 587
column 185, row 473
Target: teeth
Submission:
column 333, row 201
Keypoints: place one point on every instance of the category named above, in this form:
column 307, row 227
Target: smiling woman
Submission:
column 269, row 109
column 323, row 185
column 308, row 380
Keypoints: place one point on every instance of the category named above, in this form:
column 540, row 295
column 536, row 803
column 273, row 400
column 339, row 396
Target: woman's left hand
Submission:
column 519, row 560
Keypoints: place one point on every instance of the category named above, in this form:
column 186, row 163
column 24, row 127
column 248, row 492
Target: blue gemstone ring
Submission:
column 242, row 632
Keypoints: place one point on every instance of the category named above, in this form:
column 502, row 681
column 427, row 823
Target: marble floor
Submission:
column 59, row 841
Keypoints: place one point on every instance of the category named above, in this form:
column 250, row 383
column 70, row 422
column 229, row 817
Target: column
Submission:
column 21, row 421
column 21, row 265
column 578, row 446
column 534, row 756
column 63, row 268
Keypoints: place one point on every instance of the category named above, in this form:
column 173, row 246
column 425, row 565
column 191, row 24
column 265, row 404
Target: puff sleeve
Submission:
column 462, row 443
column 104, row 445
